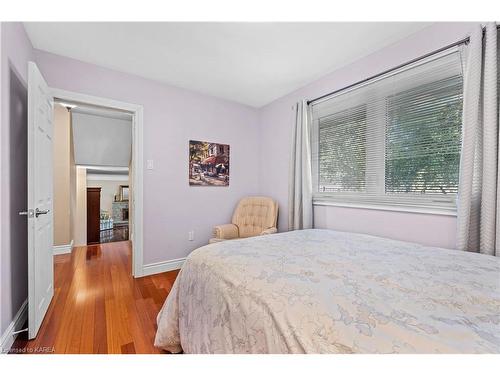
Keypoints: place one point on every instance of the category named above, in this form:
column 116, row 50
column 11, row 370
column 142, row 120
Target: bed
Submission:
column 322, row 291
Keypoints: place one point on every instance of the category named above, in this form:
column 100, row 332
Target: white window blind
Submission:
column 394, row 140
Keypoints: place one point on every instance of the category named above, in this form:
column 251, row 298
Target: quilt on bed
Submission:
column 321, row 291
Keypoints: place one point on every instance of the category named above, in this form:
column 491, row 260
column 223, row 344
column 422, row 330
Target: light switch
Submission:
column 150, row 164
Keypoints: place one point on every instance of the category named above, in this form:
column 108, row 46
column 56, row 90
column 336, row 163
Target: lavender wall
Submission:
column 276, row 120
column 172, row 117
column 16, row 51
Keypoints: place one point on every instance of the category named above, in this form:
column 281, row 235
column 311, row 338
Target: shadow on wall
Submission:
column 18, row 181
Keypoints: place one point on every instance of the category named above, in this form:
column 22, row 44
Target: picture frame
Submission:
column 124, row 193
column 208, row 163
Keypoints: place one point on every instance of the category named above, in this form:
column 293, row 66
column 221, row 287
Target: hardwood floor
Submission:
column 98, row 307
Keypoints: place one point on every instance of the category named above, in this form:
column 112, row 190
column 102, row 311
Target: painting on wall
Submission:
column 208, row 164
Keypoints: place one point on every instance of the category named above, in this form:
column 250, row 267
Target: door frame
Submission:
column 137, row 111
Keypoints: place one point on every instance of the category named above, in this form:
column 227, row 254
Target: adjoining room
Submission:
column 92, row 157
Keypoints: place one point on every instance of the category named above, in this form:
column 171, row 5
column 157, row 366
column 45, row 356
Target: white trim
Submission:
column 137, row 159
column 137, row 192
column 107, row 177
column 62, row 249
column 17, row 323
column 413, row 210
column 159, row 267
column 103, row 168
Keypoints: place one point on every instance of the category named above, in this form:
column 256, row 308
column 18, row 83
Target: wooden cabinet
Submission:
column 93, row 215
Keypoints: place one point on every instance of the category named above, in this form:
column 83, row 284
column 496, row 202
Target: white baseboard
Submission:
column 63, row 249
column 159, row 267
column 17, row 323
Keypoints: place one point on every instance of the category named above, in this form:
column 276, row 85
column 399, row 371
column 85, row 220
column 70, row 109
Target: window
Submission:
column 392, row 141
column 342, row 145
column 423, row 138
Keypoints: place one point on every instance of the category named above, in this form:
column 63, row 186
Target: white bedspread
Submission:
column 321, row 291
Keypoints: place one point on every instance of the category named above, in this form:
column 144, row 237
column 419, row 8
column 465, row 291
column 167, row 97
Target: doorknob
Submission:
column 29, row 213
column 40, row 212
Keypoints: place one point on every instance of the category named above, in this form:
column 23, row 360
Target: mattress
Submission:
column 322, row 291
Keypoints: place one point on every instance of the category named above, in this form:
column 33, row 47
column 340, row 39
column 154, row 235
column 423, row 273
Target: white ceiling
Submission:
column 250, row 63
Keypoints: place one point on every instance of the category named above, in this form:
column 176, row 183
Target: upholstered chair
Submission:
column 254, row 216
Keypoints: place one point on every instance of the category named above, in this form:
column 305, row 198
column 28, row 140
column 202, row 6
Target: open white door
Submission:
column 40, row 210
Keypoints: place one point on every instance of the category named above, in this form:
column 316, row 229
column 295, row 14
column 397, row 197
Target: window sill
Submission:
column 380, row 207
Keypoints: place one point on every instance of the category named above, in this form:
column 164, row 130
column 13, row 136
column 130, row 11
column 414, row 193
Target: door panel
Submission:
column 40, row 200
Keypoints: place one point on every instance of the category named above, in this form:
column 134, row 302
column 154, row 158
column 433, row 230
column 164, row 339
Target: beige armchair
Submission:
column 254, row 216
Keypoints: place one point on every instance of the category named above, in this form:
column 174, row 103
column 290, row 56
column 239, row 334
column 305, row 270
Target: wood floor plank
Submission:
column 128, row 348
column 98, row 307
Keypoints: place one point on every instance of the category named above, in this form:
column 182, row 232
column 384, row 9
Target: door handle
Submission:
column 40, row 212
column 29, row 213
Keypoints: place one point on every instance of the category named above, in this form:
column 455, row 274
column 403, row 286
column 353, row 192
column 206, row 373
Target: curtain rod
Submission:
column 461, row 41
column 457, row 43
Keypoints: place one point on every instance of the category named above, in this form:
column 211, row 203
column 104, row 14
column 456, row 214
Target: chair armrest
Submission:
column 269, row 231
column 226, row 231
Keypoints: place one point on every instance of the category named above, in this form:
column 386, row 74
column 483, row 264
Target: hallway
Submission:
column 98, row 307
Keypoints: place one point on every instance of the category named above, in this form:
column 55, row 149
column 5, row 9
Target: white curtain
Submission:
column 478, row 216
column 300, row 211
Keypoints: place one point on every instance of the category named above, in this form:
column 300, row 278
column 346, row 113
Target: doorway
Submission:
column 120, row 204
column 108, row 212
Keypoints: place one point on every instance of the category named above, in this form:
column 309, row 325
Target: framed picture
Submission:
column 124, row 192
column 208, row 164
